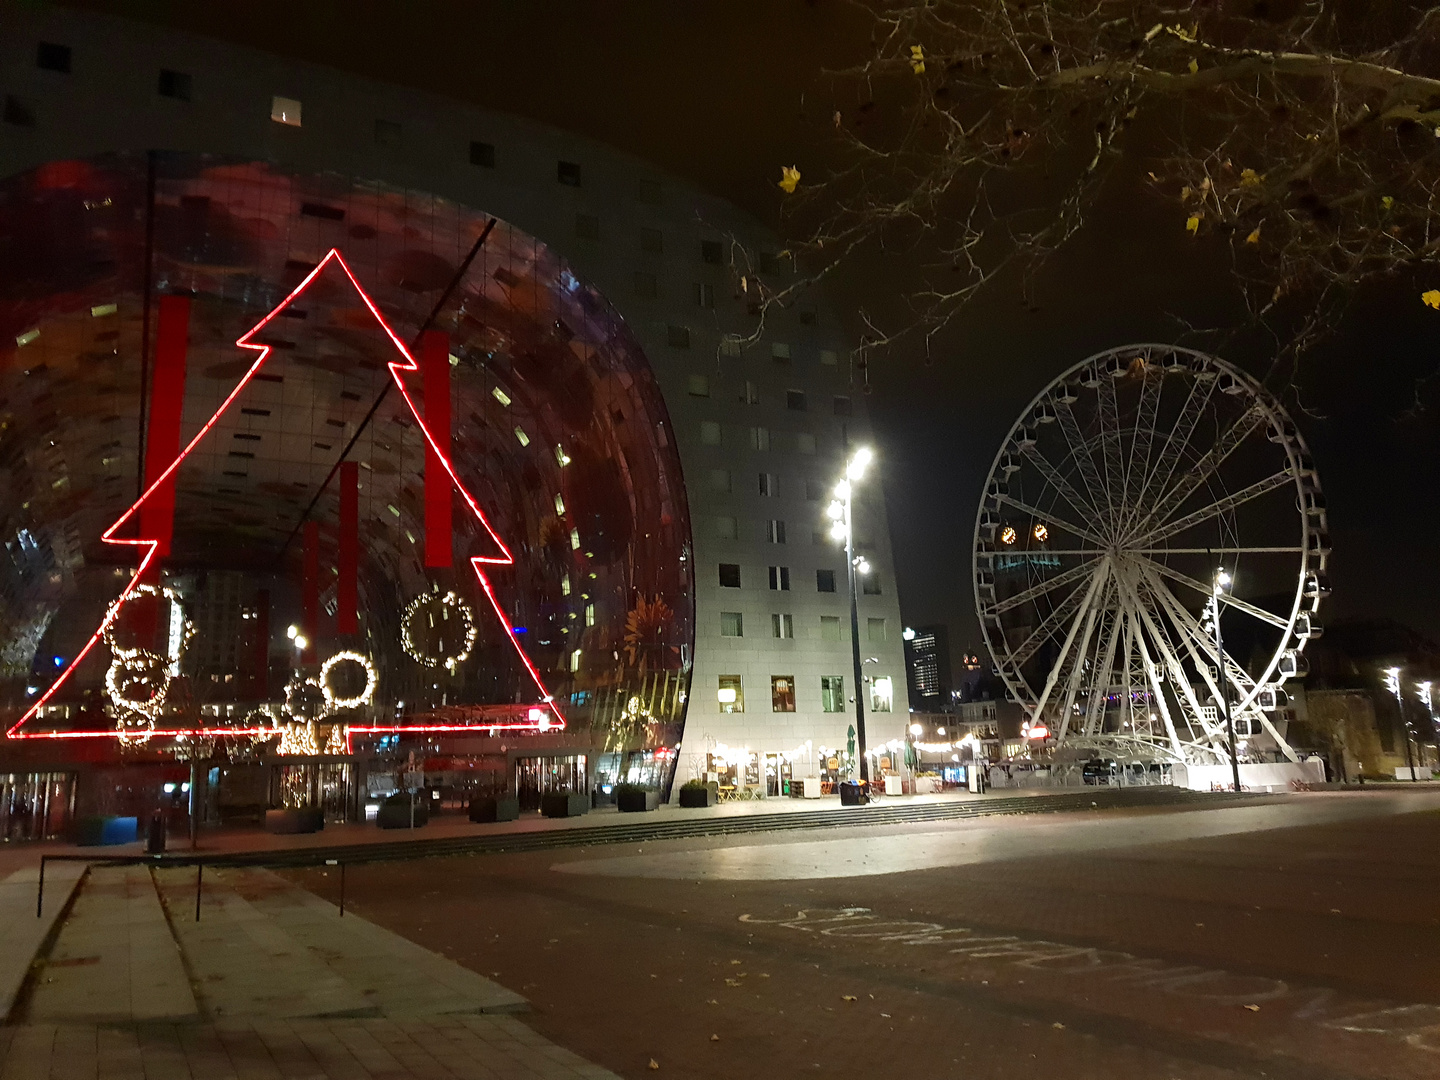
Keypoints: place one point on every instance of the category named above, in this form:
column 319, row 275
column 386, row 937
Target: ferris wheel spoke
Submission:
column 1047, row 629
column 1110, row 451
column 1172, row 660
column 1102, row 672
column 1214, row 509
column 1151, row 676
column 1051, row 519
column 1080, row 616
column 1209, row 462
column 1052, row 476
column 1229, row 601
column 1147, row 415
column 1077, row 668
column 1175, row 445
column 1197, row 637
column 1080, row 453
column 1065, row 578
column 1194, row 640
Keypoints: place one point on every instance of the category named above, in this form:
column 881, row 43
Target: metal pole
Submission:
column 342, row 890
column 40, row 891
column 1224, row 692
column 199, row 876
column 1405, row 729
column 855, row 636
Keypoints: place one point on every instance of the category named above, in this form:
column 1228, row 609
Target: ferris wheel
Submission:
column 1132, row 487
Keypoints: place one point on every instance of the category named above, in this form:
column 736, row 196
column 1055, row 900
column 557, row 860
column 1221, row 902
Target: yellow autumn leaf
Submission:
column 1431, row 298
column 1185, row 193
column 789, row 178
column 917, row 59
column 1254, row 237
column 1387, row 201
column 1250, row 178
column 1194, row 65
column 1192, row 224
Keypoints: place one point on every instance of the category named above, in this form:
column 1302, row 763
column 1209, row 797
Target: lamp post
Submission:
column 842, row 528
column 1221, row 583
column 1392, row 683
column 1423, row 690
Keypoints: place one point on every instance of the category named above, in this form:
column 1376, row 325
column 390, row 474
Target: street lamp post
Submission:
column 1392, row 683
column 841, row 514
column 1222, row 581
column 1423, row 689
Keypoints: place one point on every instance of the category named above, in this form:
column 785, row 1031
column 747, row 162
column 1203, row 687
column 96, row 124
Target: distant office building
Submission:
column 927, row 667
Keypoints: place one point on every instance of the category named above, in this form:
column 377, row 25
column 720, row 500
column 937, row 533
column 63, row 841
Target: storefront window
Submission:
column 782, row 693
column 882, row 693
column 832, row 693
column 731, row 694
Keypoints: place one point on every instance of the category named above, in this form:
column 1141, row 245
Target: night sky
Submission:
column 722, row 93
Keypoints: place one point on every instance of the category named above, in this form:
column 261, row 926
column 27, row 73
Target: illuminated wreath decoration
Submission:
column 307, row 734
column 132, row 668
column 434, row 605
column 366, row 696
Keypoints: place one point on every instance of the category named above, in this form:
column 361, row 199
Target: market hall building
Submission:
column 356, row 439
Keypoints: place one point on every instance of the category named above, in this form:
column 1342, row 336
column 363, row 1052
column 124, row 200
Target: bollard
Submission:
column 40, row 891
column 199, row 876
column 337, row 862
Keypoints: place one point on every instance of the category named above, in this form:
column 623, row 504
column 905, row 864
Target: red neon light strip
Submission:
column 151, row 544
column 435, row 388
column 347, row 587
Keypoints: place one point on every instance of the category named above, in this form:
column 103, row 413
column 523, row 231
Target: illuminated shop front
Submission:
column 314, row 479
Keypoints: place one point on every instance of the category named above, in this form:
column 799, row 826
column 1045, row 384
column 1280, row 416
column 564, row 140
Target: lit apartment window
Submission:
column 782, row 626
column 729, row 575
column 710, row 432
column 730, row 694
column 769, row 484
column 882, row 694
column 832, row 693
column 824, row 580
column 780, row 578
column 875, row 629
column 732, row 624
column 775, row 531
column 699, row 386
column 829, row 627
column 782, row 693
column 284, row 110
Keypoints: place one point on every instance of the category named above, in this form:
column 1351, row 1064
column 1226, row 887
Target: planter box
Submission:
column 106, row 831
column 853, row 793
column 637, row 802
column 392, row 816
column 703, row 796
column 304, row 820
column 506, row 808
column 562, row 804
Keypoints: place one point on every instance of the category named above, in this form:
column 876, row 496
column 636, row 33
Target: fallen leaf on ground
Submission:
column 654, row 1064
column 1253, row 1008
column 1058, row 1026
column 789, row 179
column 1431, row 297
column 848, row 997
column 714, row 1038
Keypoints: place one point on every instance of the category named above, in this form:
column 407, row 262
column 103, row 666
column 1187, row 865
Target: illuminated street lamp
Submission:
column 842, row 528
column 1423, row 691
column 1392, row 683
column 1222, row 582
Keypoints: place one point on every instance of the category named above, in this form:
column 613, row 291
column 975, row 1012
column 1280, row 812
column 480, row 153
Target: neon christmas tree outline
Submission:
column 151, row 544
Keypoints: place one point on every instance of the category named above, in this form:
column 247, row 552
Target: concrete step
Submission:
column 22, row 934
column 114, row 958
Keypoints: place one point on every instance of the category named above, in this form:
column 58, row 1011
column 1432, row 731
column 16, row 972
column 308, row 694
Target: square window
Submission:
column 649, row 191
column 814, row 490
column 284, row 110
column 795, row 399
column 870, row 584
column 704, row 294
column 829, row 627
column 710, row 432
column 804, row 442
column 832, row 693
column 824, row 580
column 645, row 285
column 729, row 346
column 751, row 396
column 780, row 352
column 482, row 154
column 52, row 57
column 769, row 484
column 875, row 630
column 759, row 438
column 726, row 528
column 652, row 240
column 720, row 481
column 568, row 173
column 18, row 112
column 678, row 337
column 712, row 252
column 729, row 575
column 782, row 693
column 829, row 357
column 782, row 626
column 174, row 84
column 388, row 132
column 775, row 532
column 842, row 406
column 780, row 578
column 882, row 693
column 698, row 386
column 587, row 226
column 731, row 694
column 732, row 624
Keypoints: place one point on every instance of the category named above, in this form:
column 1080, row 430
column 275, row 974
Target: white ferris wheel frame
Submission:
column 1136, row 587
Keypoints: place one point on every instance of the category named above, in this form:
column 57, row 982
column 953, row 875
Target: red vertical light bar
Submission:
column 261, row 657
column 435, row 385
column 311, row 589
column 347, row 589
column 167, row 402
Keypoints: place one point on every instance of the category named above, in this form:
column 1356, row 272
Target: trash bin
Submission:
column 852, row 793
column 155, row 837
